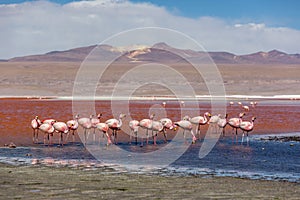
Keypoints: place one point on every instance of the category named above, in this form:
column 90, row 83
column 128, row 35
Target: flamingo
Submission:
column 95, row 121
column 231, row 103
column 48, row 121
column 235, row 123
column 200, row 120
column 104, row 128
column 246, row 108
column 61, row 128
column 134, row 127
column 48, row 130
column 222, row 123
column 73, row 125
column 157, row 126
column 167, row 124
column 146, row 124
column 247, row 126
column 115, row 125
column 35, row 124
column 86, row 124
column 186, row 125
column 253, row 104
column 213, row 121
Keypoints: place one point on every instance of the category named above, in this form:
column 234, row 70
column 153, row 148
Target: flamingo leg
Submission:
column 236, row 135
column 247, row 139
column 147, row 139
column 94, row 136
column 62, row 139
column 59, row 139
column 88, row 134
column 73, row 136
column 136, row 137
column 116, row 137
column 243, row 137
column 33, row 136
column 130, row 137
column 37, row 136
column 154, row 138
column 67, row 136
column 183, row 133
column 194, row 137
column 85, row 138
column 45, row 138
column 49, row 139
column 165, row 136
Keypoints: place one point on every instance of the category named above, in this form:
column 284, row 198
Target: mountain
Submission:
column 160, row 52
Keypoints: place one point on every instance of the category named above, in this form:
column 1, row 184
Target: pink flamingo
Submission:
column 157, row 126
column 35, row 124
column 86, row 124
column 134, row 127
column 61, row 128
column 235, row 123
column 222, row 123
column 48, row 121
column 104, row 128
column 73, row 126
column 200, row 120
column 95, row 121
column 247, row 126
column 115, row 125
column 147, row 125
column 48, row 130
column 213, row 122
column 186, row 125
column 246, row 108
column 168, row 124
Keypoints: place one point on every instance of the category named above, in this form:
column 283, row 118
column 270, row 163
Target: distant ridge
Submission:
column 159, row 52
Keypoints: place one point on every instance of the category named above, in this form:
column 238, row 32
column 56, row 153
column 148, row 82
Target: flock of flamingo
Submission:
column 49, row 126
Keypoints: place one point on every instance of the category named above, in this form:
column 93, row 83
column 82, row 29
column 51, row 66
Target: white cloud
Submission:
column 41, row 26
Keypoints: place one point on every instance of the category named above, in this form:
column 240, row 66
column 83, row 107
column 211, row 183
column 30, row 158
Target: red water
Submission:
column 16, row 115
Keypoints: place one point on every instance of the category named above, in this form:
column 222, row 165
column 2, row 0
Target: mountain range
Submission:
column 160, row 52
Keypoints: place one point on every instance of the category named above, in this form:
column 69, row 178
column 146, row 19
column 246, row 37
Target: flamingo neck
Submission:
column 120, row 122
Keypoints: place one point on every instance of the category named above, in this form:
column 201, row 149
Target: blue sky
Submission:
column 236, row 26
column 279, row 13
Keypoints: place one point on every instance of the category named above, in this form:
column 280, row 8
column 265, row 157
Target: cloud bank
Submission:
column 41, row 26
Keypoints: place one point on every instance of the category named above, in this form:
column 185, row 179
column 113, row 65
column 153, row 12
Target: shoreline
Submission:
column 30, row 182
column 187, row 98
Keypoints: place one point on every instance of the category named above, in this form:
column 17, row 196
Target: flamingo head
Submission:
column 53, row 122
column 99, row 115
column 253, row 119
column 207, row 114
column 70, row 125
column 174, row 127
column 152, row 116
column 77, row 116
column 122, row 115
column 186, row 118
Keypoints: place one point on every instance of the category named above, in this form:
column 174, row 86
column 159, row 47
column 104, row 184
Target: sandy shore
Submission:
column 57, row 79
column 29, row 182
